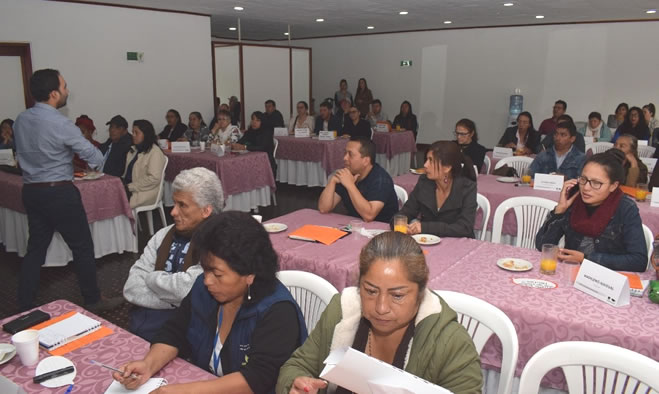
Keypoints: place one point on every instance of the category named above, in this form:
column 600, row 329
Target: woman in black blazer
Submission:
column 258, row 138
column 530, row 137
column 174, row 128
column 467, row 138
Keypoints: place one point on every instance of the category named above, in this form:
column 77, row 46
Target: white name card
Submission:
column 302, row 133
column 654, row 202
column 502, row 153
column 163, row 143
column 642, row 142
column 180, row 147
column 650, row 162
column 588, row 140
column 218, row 149
column 552, row 183
column 281, row 131
column 7, row 157
column 325, row 135
column 602, row 283
column 382, row 127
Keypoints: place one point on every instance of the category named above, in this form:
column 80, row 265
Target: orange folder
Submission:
column 78, row 343
column 322, row 234
column 634, row 280
column 631, row 191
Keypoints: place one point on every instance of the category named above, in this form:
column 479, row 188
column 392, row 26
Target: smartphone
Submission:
column 573, row 190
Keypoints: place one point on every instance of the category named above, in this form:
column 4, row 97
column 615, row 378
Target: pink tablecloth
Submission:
column 394, row 143
column 103, row 198
column 115, row 349
column 238, row 172
column 543, row 317
column 338, row 263
column 328, row 153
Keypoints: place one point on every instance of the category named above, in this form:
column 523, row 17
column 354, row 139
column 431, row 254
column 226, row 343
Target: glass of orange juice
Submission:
column 397, row 127
column 526, row 177
column 548, row 259
column 400, row 223
column 641, row 192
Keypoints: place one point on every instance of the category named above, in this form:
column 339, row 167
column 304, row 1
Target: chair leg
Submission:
column 137, row 220
column 135, row 242
column 149, row 218
column 162, row 215
column 274, row 199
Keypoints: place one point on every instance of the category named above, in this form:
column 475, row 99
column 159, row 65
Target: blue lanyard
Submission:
column 216, row 356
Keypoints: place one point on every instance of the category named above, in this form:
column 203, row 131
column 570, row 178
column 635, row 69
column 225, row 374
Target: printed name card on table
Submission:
column 650, row 162
column 552, row 183
column 302, row 133
column 502, row 153
column 642, row 142
column 602, row 283
column 163, row 143
column 325, row 135
column 181, row 147
column 281, row 131
column 588, row 140
column 382, row 127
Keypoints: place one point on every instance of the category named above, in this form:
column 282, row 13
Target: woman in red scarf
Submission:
column 599, row 222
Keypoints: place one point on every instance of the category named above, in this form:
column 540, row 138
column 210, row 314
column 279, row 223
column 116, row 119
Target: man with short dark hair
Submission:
column 116, row 147
column 273, row 118
column 562, row 157
column 548, row 141
column 376, row 115
column 326, row 120
column 45, row 143
column 366, row 189
column 549, row 125
column 355, row 126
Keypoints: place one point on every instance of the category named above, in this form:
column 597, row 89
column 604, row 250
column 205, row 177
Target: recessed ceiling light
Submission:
column 232, row 28
column 286, row 33
column 651, row 11
column 508, row 4
column 447, row 22
column 320, row 20
column 403, row 13
column 539, row 17
column 370, row 27
column 238, row 8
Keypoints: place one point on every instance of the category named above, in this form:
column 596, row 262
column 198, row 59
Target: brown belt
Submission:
column 48, row 184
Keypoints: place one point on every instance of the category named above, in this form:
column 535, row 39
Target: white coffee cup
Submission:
column 27, row 346
column 258, row 218
column 202, row 146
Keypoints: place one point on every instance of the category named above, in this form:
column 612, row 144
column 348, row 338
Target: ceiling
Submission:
column 269, row 19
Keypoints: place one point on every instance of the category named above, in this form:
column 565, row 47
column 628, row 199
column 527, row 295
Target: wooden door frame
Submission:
column 21, row 50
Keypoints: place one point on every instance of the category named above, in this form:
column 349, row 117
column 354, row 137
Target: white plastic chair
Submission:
column 401, row 194
column 649, row 239
column 592, row 367
column 530, row 213
column 482, row 319
column 519, row 163
column 484, row 205
column 476, row 170
column 487, row 163
column 274, row 154
column 646, row 151
column 150, row 208
column 311, row 292
column 599, row 147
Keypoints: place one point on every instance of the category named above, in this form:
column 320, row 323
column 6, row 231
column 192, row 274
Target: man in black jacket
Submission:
column 114, row 150
column 326, row 120
column 273, row 118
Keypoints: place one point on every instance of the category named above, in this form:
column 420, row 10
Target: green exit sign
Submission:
column 406, row 63
column 131, row 56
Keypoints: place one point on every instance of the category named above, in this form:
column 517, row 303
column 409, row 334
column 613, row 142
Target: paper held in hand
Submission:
column 360, row 373
column 602, row 283
column 501, row 153
column 181, row 147
column 552, row 183
column 302, row 133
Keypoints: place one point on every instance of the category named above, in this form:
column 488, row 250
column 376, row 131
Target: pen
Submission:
column 68, row 391
column 53, row 374
column 132, row 376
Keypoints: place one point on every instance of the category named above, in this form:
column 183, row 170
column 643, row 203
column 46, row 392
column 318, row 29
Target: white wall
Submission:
column 88, row 45
column 301, row 81
column 266, row 76
column 12, row 99
column 471, row 73
column 227, row 72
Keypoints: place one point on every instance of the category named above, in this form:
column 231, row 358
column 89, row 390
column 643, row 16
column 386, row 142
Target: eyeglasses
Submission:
column 461, row 133
column 582, row 180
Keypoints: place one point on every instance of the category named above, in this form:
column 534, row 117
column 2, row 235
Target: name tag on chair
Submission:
column 302, row 133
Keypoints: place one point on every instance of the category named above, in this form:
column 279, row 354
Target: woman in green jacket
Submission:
column 393, row 317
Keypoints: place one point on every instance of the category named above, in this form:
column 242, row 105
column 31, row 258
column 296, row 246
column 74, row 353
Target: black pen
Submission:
column 53, row 374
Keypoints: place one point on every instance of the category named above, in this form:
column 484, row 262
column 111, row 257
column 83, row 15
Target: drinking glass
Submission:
column 526, row 176
column 641, row 192
column 400, row 223
column 548, row 259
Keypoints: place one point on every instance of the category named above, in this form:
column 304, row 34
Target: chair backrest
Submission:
column 599, row 147
column 487, row 163
column 646, row 151
column 372, row 131
column 311, row 292
column 162, row 181
column 475, row 170
column 401, row 194
column 519, row 163
column 592, row 367
column 482, row 319
column 530, row 213
column 484, row 205
column 649, row 239
column 274, row 151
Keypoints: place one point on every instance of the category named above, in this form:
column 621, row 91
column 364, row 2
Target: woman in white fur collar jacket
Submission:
column 393, row 317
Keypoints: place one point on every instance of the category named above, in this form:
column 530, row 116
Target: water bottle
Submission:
column 516, row 107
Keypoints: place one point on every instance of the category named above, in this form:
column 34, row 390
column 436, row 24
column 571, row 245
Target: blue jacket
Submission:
column 545, row 163
column 203, row 323
column 620, row 247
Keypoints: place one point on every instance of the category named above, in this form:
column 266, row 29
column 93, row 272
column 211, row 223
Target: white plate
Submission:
column 373, row 233
column 513, row 264
column 242, row 152
column 416, row 172
column 9, row 351
column 426, row 239
column 507, row 179
column 54, row 363
column 535, row 283
column 275, row 227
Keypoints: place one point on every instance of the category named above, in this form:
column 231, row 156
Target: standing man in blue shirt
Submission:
column 45, row 144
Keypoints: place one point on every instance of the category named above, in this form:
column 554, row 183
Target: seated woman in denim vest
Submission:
column 599, row 222
column 238, row 321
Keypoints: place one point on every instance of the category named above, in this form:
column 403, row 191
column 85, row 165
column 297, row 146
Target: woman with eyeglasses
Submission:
column 600, row 223
column 467, row 138
column 303, row 120
column 223, row 132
